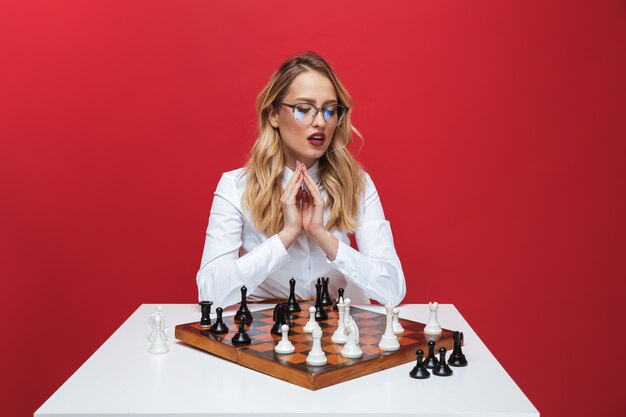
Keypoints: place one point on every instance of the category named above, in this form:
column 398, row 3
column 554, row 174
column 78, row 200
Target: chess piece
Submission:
column 433, row 326
column 346, row 311
column 431, row 360
column 205, row 307
column 241, row 338
column 316, row 356
column 154, row 329
column 320, row 313
column 389, row 341
column 280, row 318
column 243, row 312
column 442, row 368
column 457, row 358
column 419, row 371
column 340, row 336
column 312, row 323
column 284, row 346
column 352, row 349
column 158, row 345
column 292, row 303
column 326, row 300
column 339, row 298
column 219, row 327
column 397, row 327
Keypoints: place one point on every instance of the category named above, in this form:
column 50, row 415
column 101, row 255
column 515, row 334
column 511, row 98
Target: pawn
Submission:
column 339, row 299
column 284, row 346
column 241, row 338
column 442, row 368
column 316, row 356
column 419, row 371
column 397, row 327
column 431, row 360
column 312, row 323
column 457, row 358
column 205, row 308
column 219, row 327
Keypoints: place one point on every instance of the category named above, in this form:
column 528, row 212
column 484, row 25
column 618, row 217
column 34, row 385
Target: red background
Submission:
column 493, row 130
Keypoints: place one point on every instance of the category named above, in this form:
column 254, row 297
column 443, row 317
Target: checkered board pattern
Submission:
column 260, row 355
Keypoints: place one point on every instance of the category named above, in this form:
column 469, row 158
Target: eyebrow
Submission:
column 310, row 100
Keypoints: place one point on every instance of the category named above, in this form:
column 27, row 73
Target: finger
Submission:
column 314, row 191
column 294, row 178
column 293, row 187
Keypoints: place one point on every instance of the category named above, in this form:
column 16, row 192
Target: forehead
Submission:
column 313, row 85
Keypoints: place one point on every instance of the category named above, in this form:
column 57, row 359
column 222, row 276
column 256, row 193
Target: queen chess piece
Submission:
column 320, row 313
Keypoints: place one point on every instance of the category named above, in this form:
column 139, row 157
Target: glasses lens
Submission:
column 304, row 113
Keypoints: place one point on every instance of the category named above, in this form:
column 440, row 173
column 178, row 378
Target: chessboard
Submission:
column 260, row 356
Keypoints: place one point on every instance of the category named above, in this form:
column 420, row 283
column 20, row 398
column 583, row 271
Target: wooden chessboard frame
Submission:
column 260, row 355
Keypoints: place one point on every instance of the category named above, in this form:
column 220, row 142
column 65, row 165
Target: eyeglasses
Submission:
column 305, row 113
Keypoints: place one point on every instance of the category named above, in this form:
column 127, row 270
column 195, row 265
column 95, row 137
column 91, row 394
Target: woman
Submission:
column 289, row 211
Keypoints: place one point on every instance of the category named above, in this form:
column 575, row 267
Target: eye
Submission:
column 330, row 111
column 303, row 108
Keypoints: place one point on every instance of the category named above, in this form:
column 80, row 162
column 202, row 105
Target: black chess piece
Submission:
column 442, row 368
column 320, row 313
column 243, row 311
column 326, row 300
column 280, row 318
column 205, row 307
column 241, row 338
column 339, row 299
column 419, row 371
column 292, row 303
column 431, row 360
column 457, row 358
column 219, row 327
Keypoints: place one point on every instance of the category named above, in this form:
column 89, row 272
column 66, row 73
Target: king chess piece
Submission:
column 205, row 308
column 243, row 313
column 457, row 358
column 292, row 303
column 219, row 327
column 326, row 300
column 419, row 371
column 320, row 313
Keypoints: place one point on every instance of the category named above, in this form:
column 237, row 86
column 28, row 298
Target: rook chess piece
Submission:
column 158, row 345
column 241, row 338
column 442, row 368
column 243, row 313
column 284, row 346
column 352, row 349
column 433, row 326
column 320, row 313
column 316, row 356
column 339, row 299
column 457, row 358
column 419, row 371
column 219, row 327
column 311, row 324
column 326, row 300
column 205, row 308
column 397, row 327
column 431, row 360
column 340, row 336
column 292, row 303
column 389, row 341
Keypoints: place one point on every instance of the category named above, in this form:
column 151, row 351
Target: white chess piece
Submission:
column 158, row 345
column 433, row 326
column 316, row 356
column 397, row 327
column 340, row 335
column 352, row 348
column 346, row 312
column 284, row 346
column 311, row 324
column 389, row 341
column 162, row 327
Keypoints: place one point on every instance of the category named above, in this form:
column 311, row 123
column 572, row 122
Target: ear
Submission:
column 273, row 116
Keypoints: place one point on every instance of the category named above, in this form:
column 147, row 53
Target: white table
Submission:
column 121, row 377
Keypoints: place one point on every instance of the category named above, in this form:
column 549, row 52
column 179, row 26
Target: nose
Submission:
column 319, row 120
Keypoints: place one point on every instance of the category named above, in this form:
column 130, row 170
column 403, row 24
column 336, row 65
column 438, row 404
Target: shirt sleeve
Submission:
column 222, row 271
column 375, row 267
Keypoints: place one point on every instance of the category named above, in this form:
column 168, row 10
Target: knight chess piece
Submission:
column 205, row 308
column 326, row 300
column 442, row 368
column 280, row 318
column 292, row 303
column 339, row 298
column 457, row 358
column 431, row 359
column 219, row 327
column 320, row 313
column 243, row 313
column 419, row 371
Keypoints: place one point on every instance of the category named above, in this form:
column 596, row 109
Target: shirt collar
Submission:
column 313, row 172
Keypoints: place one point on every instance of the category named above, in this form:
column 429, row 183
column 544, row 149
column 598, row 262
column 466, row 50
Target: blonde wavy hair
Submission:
column 339, row 172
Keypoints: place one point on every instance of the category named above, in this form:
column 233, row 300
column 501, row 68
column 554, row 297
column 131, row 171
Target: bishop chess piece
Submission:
column 397, row 327
column 159, row 344
column 219, row 327
column 280, row 318
column 326, row 300
column 316, row 356
column 419, row 371
column 457, row 358
column 284, row 346
column 433, row 326
column 339, row 298
column 442, row 368
column 340, row 336
column 292, row 303
column 311, row 324
column 431, row 360
column 320, row 313
column 241, row 338
column 154, row 329
column 205, row 308
column 352, row 349
column 389, row 341
column 243, row 313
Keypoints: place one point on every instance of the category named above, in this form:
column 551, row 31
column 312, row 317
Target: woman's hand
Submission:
column 292, row 213
column 312, row 208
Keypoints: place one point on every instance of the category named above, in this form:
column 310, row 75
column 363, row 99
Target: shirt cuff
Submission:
column 345, row 263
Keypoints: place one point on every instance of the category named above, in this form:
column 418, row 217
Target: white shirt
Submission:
column 237, row 254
